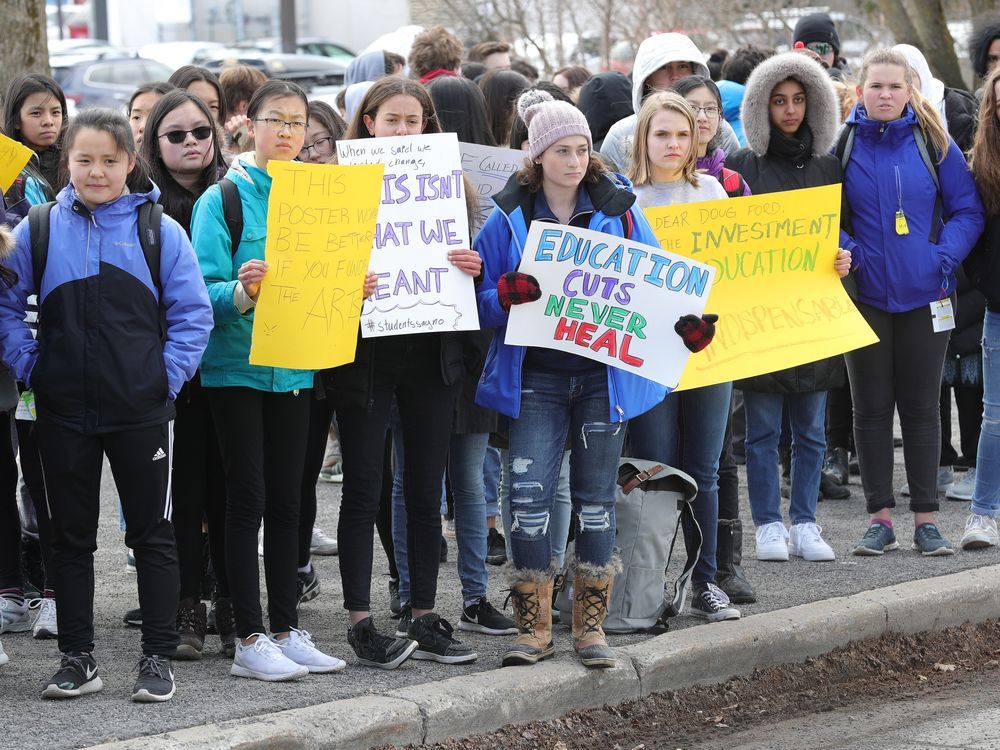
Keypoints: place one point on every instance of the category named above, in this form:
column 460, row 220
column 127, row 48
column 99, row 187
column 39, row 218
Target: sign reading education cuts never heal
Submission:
column 609, row 299
column 421, row 216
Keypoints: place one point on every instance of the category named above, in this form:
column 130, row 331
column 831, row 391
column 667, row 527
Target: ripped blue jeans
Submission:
column 552, row 406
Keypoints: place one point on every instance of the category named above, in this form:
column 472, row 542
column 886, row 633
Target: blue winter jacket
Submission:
column 501, row 244
column 102, row 362
column 897, row 272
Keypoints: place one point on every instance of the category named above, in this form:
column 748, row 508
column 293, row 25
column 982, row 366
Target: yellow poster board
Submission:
column 779, row 301
column 13, row 156
column 320, row 229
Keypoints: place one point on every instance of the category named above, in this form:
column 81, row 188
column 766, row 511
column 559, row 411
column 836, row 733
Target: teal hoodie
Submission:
column 226, row 360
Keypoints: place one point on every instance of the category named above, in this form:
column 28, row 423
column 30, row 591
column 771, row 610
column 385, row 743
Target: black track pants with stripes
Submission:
column 140, row 462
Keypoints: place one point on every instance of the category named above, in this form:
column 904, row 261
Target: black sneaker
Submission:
column 155, row 682
column 395, row 608
column 496, row 548
column 405, row 620
column 133, row 618
column 482, row 617
column 225, row 626
column 444, row 550
column 308, row 585
column 376, row 650
column 829, row 489
column 77, row 676
column 435, row 643
column 709, row 602
column 192, row 623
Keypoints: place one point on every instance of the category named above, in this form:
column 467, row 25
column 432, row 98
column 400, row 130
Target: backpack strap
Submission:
column 232, row 212
column 628, row 224
column 38, row 228
column 693, row 537
column 149, row 220
column 731, row 182
column 932, row 166
column 845, row 144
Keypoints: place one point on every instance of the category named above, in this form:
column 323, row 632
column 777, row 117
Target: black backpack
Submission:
column 845, row 144
column 232, row 212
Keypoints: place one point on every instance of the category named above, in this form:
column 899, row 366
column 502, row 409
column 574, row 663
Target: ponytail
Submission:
column 930, row 122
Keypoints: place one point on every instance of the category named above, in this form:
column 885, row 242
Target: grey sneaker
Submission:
column 155, row 682
column 963, row 489
column 709, row 602
column 435, row 642
column 877, row 540
column 980, row 531
column 928, row 540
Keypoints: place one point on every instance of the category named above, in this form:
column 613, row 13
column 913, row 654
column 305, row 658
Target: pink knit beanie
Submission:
column 549, row 121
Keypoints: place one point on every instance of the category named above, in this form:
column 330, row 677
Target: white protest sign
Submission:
column 421, row 216
column 488, row 169
column 609, row 299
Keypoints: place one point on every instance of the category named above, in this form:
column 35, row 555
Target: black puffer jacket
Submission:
column 983, row 264
column 962, row 112
column 967, row 338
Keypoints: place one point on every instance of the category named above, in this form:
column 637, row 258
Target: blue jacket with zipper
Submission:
column 501, row 245
column 101, row 362
column 886, row 174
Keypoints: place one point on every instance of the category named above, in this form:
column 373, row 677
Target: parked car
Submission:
column 308, row 45
column 309, row 71
column 177, row 54
column 106, row 82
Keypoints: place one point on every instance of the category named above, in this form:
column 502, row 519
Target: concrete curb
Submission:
column 485, row 701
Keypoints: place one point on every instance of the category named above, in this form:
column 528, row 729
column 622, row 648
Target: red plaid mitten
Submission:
column 515, row 288
column 695, row 332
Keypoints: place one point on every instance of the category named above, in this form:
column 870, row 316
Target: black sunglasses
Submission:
column 178, row 136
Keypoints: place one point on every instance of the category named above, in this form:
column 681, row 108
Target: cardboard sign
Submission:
column 320, row 225
column 422, row 215
column 488, row 169
column 779, row 301
column 609, row 299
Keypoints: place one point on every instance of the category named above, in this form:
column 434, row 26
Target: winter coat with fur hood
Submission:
column 774, row 162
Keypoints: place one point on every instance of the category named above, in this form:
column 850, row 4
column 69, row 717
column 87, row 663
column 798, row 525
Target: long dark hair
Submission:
column 112, row 122
column 178, row 202
column 19, row 89
column 185, row 75
column 501, row 89
column 461, row 109
column 159, row 88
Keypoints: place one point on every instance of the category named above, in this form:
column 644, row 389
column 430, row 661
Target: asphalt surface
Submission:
column 206, row 692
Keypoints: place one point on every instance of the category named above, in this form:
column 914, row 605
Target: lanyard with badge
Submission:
column 942, row 314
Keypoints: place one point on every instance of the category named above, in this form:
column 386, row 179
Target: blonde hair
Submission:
column 663, row 101
column 927, row 115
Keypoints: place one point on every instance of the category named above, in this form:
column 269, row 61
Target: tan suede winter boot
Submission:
column 591, row 595
column 531, row 592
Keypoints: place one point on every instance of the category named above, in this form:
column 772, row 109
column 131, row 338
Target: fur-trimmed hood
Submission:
column 822, row 109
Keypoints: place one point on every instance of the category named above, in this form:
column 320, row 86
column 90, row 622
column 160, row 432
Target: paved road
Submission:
column 963, row 717
column 206, row 692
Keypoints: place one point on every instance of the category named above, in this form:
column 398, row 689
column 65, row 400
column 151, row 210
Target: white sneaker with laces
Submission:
column 298, row 647
column 772, row 542
column 980, row 531
column 263, row 660
column 14, row 616
column 260, row 542
column 963, row 489
column 3, row 656
column 45, row 621
column 321, row 543
column 807, row 543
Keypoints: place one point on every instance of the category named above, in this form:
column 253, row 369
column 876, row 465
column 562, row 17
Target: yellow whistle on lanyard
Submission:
column 901, row 227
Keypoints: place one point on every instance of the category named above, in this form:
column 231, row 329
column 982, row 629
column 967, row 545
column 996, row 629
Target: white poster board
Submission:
column 488, row 169
column 422, row 215
column 609, row 299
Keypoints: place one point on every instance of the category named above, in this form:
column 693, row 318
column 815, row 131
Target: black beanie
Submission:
column 816, row 27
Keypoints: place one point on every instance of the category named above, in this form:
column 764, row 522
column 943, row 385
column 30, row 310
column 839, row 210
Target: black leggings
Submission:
column 969, row 400
column 262, row 437
column 31, row 470
column 320, row 418
column 729, row 478
column 901, row 371
column 10, row 520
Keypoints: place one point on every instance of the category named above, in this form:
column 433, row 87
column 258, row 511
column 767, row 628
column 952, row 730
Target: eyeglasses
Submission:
column 820, row 48
column 322, row 145
column 179, row 136
column 277, row 125
column 711, row 111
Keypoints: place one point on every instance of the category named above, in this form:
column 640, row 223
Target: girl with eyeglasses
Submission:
column 261, row 413
column 324, row 129
column 184, row 157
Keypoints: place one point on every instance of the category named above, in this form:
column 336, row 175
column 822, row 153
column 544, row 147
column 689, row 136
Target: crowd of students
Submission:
column 129, row 280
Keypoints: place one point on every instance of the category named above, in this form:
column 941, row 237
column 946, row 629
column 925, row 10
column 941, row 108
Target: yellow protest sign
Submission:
column 13, row 157
column 320, row 229
column 779, row 301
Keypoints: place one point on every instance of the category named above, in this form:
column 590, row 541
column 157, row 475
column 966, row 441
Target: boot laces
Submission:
column 595, row 605
column 527, row 609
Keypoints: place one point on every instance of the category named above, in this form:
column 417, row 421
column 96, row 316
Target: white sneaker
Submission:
column 14, row 617
column 263, row 660
column 980, row 531
column 772, row 542
column 3, row 656
column 321, row 543
column 260, row 542
column 299, row 648
column 807, row 543
column 129, row 561
column 963, row 489
column 45, row 621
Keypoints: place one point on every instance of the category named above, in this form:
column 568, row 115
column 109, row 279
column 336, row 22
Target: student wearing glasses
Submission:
column 325, row 128
column 261, row 413
column 816, row 32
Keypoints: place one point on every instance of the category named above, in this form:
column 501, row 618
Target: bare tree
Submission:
column 25, row 47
